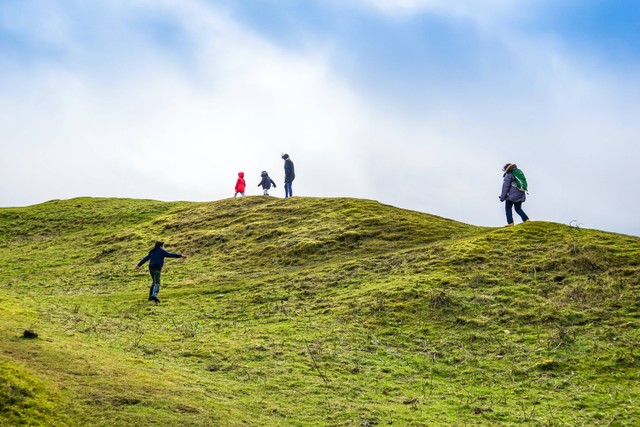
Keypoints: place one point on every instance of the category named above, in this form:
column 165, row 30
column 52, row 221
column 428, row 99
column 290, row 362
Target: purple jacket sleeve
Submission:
column 506, row 186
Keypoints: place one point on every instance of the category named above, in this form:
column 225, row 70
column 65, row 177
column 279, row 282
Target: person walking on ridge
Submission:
column 266, row 182
column 156, row 258
column 240, row 184
column 289, row 175
column 511, row 194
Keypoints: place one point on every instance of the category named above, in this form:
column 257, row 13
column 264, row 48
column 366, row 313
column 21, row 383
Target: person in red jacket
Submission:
column 240, row 184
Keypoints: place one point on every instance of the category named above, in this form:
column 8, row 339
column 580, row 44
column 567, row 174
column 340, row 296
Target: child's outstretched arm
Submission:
column 143, row 260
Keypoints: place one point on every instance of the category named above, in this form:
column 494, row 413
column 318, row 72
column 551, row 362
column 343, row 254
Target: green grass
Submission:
column 312, row 311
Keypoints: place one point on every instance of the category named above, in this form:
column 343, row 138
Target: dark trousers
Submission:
column 154, row 271
column 288, row 191
column 518, row 206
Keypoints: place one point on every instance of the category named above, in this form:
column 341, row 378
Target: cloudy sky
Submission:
column 415, row 103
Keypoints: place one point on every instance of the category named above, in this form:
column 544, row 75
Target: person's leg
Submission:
column 288, row 190
column 507, row 208
column 153, row 284
column 519, row 211
column 155, row 274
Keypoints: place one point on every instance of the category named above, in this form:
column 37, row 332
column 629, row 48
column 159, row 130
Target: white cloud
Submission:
column 149, row 125
column 183, row 134
column 482, row 12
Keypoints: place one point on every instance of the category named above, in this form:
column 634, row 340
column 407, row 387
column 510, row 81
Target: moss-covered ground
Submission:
column 312, row 311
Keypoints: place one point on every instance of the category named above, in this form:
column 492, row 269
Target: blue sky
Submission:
column 415, row 103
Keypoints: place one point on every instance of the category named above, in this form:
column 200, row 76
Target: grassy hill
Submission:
column 311, row 311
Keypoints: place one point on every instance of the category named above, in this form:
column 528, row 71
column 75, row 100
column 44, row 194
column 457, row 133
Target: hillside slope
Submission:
column 311, row 311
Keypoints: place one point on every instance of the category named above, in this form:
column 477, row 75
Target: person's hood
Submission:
column 240, row 174
column 509, row 167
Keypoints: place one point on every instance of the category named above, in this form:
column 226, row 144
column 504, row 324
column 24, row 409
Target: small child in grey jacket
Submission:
column 266, row 182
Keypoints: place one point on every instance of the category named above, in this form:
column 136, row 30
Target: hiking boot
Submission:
column 509, row 225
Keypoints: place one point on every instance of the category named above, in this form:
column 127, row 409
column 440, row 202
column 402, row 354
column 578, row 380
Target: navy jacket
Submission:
column 156, row 257
column 289, row 171
column 266, row 182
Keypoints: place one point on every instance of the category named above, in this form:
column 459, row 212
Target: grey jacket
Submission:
column 266, row 182
column 509, row 190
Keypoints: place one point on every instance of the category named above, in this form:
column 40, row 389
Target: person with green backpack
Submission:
column 514, row 192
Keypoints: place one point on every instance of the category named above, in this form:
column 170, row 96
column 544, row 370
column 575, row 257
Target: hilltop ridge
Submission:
column 312, row 311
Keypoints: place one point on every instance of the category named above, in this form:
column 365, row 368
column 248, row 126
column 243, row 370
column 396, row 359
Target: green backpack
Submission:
column 520, row 180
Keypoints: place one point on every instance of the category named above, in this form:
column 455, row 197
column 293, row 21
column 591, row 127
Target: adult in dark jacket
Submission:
column 511, row 195
column 266, row 182
column 156, row 258
column 289, row 175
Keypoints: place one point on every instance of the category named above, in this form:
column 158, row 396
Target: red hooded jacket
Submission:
column 240, row 184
